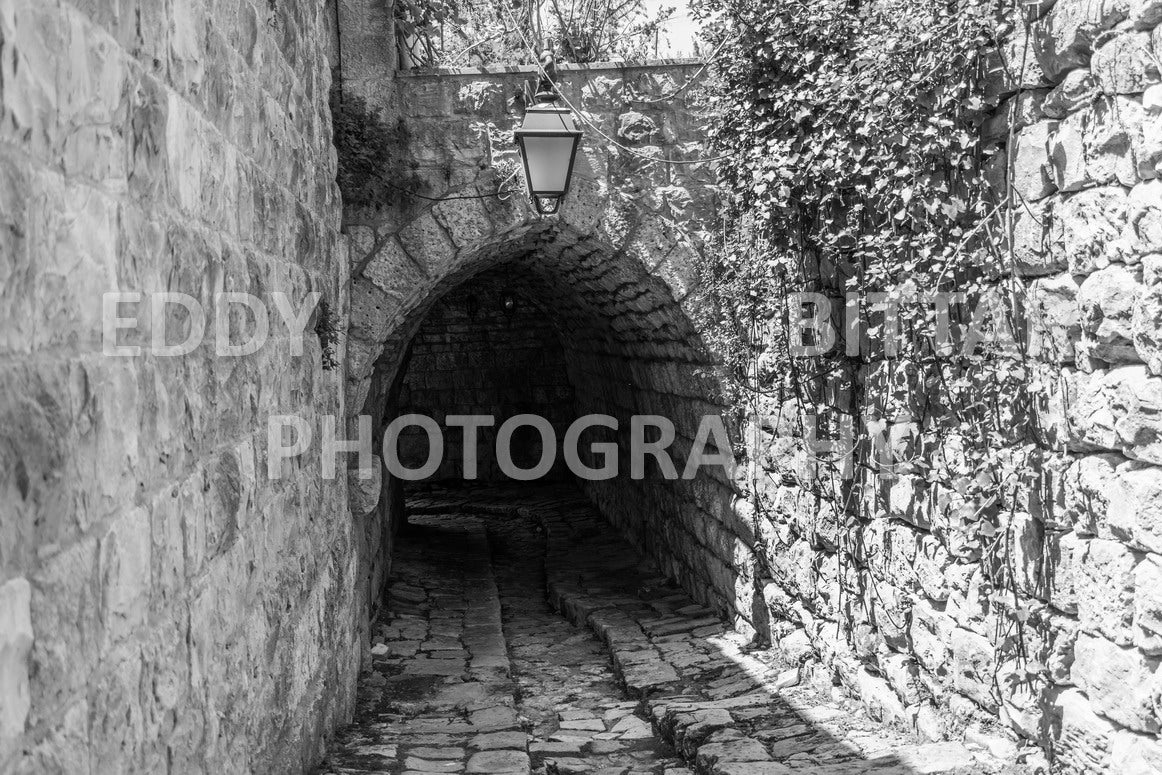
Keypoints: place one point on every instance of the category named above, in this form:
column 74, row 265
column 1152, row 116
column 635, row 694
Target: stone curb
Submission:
column 706, row 731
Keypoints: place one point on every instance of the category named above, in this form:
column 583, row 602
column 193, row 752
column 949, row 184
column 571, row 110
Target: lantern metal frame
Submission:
column 545, row 102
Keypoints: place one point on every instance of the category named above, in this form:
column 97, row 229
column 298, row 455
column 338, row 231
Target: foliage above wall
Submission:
column 856, row 131
column 456, row 33
column 368, row 149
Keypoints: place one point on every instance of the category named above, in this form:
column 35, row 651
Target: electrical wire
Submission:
column 585, row 120
column 690, row 80
column 500, row 194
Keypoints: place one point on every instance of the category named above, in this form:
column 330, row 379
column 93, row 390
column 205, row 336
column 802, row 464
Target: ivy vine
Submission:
column 857, row 167
column 369, row 151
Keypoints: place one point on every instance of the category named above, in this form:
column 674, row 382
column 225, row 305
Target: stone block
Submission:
column 429, row 243
column 1152, row 100
column 1146, row 318
column 1137, row 405
column 1054, row 324
column 1063, row 554
column 1090, row 413
column 1030, row 240
column 1111, row 126
column 1125, row 64
column 1082, row 736
column 903, row 676
column 373, row 312
column 498, row 761
column 1144, row 215
column 1032, row 171
column 1076, row 90
column 392, row 271
column 125, row 571
column 930, row 635
column 1087, row 229
column 1021, row 695
column 66, row 608
column 1066, row 145
column 1135, row 506
column 1063, row 40
column 1121, row 683
column 15, row 645
column 1107, row 299
column 363, row 487
column 1059, row 638
column 636, row 128
column 466, row 221
column 1090, row 487
column 930, row 567
column 1105, row 585
column 879, row 699
column 1134, row 754
column 1027, row 539
column 1147, row 621
column 973, row 658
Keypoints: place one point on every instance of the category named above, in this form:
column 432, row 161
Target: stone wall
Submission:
column 165, row 605
column 474, row 356
column 914, row 628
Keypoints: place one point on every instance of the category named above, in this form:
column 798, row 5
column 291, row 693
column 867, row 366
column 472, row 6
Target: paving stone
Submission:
column 495, row 740
column 555, row 748
column 430, row 765
column 494, row 718
column 631, row 727
column 426, row 752
column 569, row 766
column 501, row 761
column 422, row 666
column 575, row 713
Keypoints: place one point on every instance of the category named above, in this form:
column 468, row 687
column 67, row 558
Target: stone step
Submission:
column 726, row 709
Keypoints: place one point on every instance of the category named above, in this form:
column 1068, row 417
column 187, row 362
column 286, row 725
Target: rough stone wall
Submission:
column 926, row 642
column 472, row 356
column 165, row 605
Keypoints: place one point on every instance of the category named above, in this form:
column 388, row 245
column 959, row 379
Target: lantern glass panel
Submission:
column 547, row 162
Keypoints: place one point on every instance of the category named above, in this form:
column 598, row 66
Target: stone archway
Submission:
column 631, row 348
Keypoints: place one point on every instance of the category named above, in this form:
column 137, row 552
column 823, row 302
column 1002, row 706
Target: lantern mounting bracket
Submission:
column 547, row 84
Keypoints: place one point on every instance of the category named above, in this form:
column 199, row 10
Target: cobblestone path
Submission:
column 454, row 691
column 523, row 635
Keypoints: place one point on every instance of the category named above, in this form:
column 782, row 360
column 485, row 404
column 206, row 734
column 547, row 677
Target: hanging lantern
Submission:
column 548, row 139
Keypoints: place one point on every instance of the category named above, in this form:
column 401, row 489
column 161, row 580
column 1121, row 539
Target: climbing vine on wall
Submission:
column 857, row 168
column 368, row 151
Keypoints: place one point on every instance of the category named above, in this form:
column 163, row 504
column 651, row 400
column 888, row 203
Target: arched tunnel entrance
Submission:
column 567, row 625
column 547, row 323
